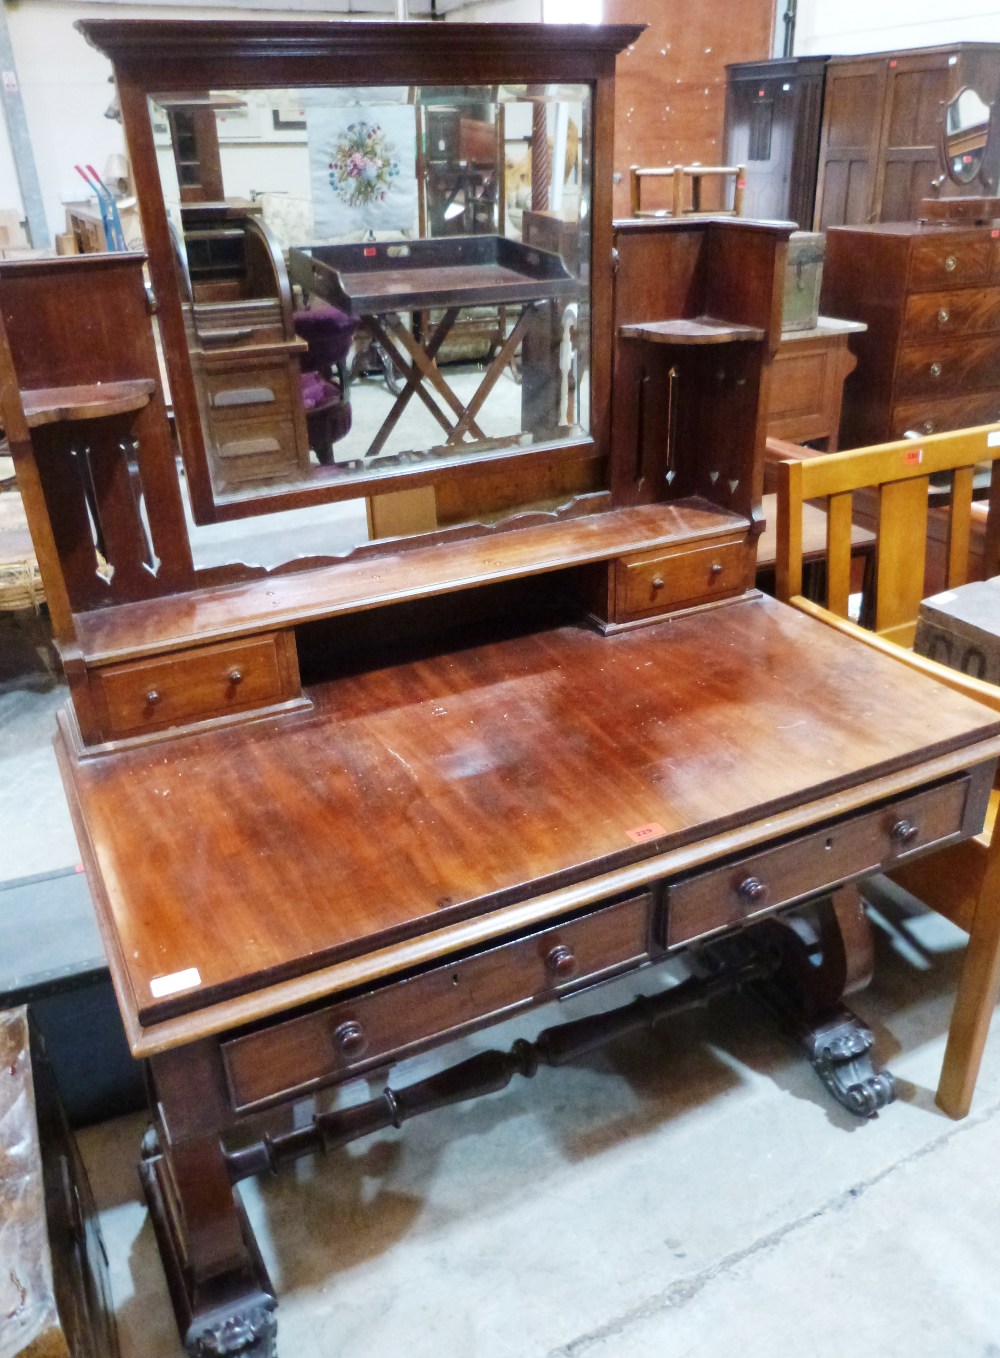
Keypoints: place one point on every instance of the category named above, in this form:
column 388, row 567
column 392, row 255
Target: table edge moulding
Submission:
column 379, row 800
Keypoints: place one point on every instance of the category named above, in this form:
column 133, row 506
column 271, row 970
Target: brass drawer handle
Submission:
column 351, row 1038
column 903, row 832
column 560, row 962
column 235, row 676
column 944, row 316
column 928, row 426
column 152, row 697
column 935, row 370
column 950, row 263
column 752, row 891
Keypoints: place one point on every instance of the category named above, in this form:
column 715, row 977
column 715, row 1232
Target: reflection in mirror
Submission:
column 379, row 279
column 967, row 121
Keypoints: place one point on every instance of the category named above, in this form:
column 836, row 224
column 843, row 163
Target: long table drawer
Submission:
column 872, row 841
column 346, row 1037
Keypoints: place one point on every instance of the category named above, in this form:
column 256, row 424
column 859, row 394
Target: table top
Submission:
column 426, row 790
column 826, row 327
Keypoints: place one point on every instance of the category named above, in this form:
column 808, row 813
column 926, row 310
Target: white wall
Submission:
column 842, row 26
column 65, row 83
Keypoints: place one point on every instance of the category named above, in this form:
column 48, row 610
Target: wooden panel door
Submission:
column 916, row 89
column 849, row 144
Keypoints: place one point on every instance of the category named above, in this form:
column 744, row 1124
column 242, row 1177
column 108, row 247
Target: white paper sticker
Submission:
column 993, row 440
column 177, row 980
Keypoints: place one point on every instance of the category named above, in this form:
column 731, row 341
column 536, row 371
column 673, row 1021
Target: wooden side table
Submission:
column 807, row 382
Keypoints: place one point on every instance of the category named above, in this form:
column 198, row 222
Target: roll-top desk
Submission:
column 338, row 812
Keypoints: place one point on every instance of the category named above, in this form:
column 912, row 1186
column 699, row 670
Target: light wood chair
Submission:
column 680, row 176
column 961, row 882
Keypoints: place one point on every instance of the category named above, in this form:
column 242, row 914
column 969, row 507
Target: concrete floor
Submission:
column 693, row 1193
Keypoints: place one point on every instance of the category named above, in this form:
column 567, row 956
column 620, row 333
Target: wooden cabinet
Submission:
column 773, row 115
column 930, row 295
column 528, row 753
column 880, row 150
column 830, row 141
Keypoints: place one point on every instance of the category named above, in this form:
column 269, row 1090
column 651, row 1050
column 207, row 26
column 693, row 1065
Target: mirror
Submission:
column 377, row 282
column 967, row 125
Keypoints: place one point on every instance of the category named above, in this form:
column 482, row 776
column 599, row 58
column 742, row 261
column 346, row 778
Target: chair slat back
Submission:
column 899, row 474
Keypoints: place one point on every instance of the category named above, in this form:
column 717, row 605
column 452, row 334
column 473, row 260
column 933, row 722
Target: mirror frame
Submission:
column 986, row 173
column 194, row 55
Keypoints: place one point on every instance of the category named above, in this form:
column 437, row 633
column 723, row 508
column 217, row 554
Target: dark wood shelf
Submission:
column 50, row 405
column 174, row 622
column 698, row 330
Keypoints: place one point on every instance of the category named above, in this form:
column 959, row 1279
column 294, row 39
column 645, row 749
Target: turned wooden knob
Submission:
column 658, row 582
column 935, row 370
column 235, row 676
column 152, row 697
column 560, row 962
column 715, row 568
column 752, row 891
column 904, row 832
column 950, row 263
column 351, row 1038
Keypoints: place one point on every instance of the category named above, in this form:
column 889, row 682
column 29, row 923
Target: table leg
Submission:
column 222, row 1297
column 491, row 377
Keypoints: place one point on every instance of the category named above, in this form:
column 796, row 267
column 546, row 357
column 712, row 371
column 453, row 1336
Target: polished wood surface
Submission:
column 354, row 586
column 453, row 747
column 929, row 294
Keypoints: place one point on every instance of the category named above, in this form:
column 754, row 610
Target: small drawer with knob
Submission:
column 209, row 681
column 947, row 259
column 648, row 585
column 967, row 311
column 950, row 368
column 336, row 1041
column 869, row 841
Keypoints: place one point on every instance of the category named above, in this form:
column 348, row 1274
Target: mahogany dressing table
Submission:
column 342, row 811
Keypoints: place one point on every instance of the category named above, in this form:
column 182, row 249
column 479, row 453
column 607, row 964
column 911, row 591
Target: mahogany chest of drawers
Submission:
column 930, row 296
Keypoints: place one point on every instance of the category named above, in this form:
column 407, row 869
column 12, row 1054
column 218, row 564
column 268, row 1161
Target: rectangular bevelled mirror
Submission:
column 380, row 278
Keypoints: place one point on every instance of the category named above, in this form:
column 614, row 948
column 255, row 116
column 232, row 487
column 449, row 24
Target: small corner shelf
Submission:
column 698, row 330
column 53, row 405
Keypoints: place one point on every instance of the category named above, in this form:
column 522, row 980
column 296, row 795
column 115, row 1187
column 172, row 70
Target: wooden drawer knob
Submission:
column 560, row 962
column 950, row 263
column 715, row 569
column 658, row 582
column 903, row 832
column 752, row 891
column 350, row 1038
column 152, row 697
column 935, row 370
column 235, row 676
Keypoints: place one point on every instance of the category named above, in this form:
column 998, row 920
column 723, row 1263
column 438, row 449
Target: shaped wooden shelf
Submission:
column 55, row 405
